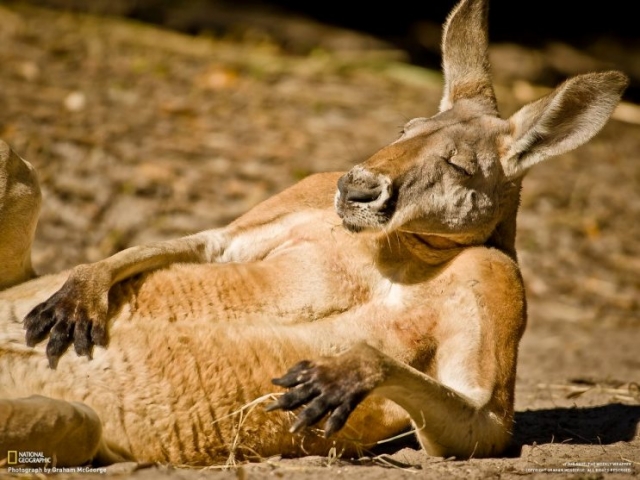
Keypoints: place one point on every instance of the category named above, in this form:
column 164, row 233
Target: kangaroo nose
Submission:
column 359, row 190
column 363, row 195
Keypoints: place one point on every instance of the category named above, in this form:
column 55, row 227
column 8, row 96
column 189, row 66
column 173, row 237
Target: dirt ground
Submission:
column 142, row 134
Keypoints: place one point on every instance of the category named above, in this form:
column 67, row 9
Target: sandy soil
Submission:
column 142, row 134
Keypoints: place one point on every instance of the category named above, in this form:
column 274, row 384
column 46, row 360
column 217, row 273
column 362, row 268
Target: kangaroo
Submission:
column 391, row 293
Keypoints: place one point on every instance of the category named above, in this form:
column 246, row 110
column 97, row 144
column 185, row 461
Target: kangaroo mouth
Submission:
column 357, row 217
column 352, row 228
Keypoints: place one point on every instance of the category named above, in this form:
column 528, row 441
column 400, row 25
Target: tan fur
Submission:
column 401, row 287
column 19, row 209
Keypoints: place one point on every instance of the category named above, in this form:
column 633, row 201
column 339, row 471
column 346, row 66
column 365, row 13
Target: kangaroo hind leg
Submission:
column 68, row 433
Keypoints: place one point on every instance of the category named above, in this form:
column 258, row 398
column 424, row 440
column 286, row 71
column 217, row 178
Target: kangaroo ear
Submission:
column 561, row 121
column 465, row 61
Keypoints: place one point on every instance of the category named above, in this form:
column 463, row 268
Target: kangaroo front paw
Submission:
column 75, row 314
column 332, row 386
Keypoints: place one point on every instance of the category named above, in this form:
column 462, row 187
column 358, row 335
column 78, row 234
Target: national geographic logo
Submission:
column 15, row 457
column 38, row 463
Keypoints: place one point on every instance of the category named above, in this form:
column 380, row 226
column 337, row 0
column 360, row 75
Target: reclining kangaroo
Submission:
column 397, row 299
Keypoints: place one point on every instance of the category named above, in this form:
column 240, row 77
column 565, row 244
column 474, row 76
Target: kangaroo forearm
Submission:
column 447, row 423
column 198, row 248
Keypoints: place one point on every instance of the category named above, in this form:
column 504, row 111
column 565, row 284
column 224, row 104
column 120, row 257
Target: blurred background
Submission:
column 572, row 35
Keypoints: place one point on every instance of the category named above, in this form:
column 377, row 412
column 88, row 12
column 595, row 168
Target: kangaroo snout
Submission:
column 363, row 200
column 365, row 188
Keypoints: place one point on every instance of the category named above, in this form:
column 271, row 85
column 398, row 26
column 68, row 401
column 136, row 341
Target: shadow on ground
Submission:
column 603, row 425
column 600, row 425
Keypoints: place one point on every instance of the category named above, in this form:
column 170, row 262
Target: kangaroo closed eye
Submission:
column 463, row 163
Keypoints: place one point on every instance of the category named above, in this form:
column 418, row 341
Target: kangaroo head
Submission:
column 457, row 174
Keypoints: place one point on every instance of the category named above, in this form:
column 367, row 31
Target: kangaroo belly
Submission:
column 191, row 393
column 192, row 352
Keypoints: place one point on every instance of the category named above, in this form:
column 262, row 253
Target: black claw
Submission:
column 339, row 416
column 99, row 335
column 41, row 319
column 299, row 396
column 62, row 331
column 334, row 424
column 295, row 376
column 53, row 362
column 272, row 406
column 311, row 415
column 59, row 341
column 295, row 398
column 82, row 338
column 33, row 316
column 38, row 326
column 54, row 352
